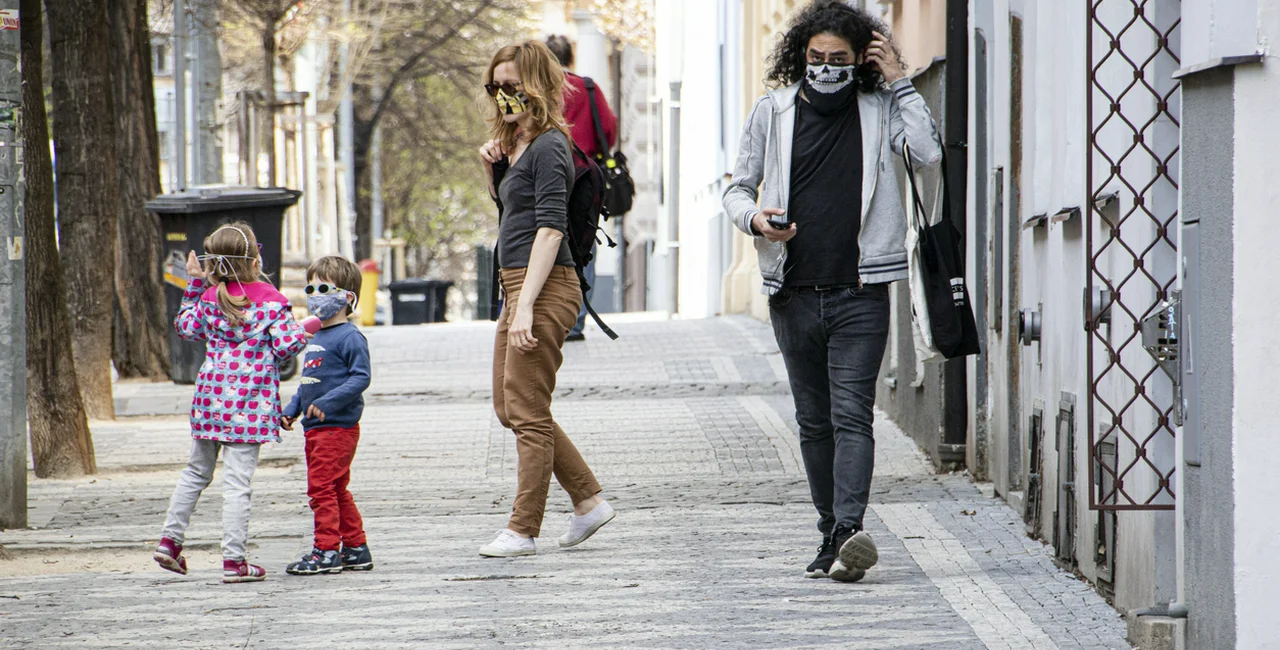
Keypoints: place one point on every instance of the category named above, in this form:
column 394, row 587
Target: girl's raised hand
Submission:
column 194, row 268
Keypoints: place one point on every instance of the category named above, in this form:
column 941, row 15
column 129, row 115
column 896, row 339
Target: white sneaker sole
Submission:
column 589, row 532
column 491, row 552
column 816, row 574
column 168, row 563
column 859, row 552
column 236, row 579
column 841, row 573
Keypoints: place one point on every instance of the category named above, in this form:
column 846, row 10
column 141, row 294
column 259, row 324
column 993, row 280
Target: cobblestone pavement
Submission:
column 689, row 426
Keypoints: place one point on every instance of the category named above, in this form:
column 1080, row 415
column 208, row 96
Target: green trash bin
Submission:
column 186, row 219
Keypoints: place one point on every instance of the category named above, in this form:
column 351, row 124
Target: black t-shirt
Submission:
column 826, row 197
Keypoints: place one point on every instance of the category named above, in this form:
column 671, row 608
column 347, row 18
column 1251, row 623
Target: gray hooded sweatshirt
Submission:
column 891, row 117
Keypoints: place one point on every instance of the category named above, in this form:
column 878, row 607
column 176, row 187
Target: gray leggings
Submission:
column 239, row 461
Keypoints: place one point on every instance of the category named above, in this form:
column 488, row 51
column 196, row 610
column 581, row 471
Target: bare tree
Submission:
column 60, row 442
column 141, row 342
column 265, row 19
column 439, row 38
column 88, row 196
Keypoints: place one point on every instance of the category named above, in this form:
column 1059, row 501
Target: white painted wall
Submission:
column 1213, row 29
column 1257, row 352
column 1054, row 260
column 691, row 52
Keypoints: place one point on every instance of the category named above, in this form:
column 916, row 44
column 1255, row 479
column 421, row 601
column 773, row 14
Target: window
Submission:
column 160, row 64
column 163, row 139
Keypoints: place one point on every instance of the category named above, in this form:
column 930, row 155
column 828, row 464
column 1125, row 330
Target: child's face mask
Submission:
column 326, row 306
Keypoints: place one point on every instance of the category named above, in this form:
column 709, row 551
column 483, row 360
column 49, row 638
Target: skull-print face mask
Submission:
column 829, row 88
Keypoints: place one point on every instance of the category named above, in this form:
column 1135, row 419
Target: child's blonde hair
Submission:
column 230, row 254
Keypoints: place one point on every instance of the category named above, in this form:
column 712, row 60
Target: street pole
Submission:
column 377, row 207
column 673, row 205
column 180, row 94
column 13, row 309
column 346, row 130
column 206, row 82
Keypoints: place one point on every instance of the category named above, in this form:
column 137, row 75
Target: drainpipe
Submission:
column 955, row 419
column 673, row 204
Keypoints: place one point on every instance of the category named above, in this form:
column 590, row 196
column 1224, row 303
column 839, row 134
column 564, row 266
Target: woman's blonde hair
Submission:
column 543, row 82
column 229, row 256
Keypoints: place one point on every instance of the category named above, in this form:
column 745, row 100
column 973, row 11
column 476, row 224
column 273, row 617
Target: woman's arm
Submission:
column 546, row 247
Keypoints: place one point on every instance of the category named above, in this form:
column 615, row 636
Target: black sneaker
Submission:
column 317, row 561
column 857, row 553
column 575, row 336
column 357, row 558
column 821, row 565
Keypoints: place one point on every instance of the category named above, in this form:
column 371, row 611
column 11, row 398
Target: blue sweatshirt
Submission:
column 335, row 374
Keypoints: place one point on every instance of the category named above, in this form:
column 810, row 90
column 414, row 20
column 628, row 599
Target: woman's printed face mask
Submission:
column 511, row 104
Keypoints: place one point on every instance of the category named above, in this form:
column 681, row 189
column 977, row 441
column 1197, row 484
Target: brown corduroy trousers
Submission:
column 522, row 387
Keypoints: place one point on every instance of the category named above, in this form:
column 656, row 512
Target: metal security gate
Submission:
column 1132, row 160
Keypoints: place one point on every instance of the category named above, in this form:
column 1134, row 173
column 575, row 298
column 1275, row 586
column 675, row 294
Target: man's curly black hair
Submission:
column 788, row 60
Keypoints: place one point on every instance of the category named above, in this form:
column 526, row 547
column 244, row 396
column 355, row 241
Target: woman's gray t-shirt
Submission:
column 534, row 195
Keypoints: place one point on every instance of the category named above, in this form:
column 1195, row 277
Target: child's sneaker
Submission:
column 357, row 558
column 242, row 571
column 317, row 561
column 169, row 556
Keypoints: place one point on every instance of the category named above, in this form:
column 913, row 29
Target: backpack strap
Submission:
column 595, row 122
column 582, row 280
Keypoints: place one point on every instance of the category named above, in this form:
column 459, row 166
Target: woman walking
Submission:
column 532, row 154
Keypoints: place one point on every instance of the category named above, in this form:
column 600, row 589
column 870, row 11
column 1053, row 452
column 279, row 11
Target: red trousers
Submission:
column 330, row 451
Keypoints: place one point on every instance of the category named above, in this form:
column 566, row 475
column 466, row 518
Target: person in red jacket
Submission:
column 577, row 112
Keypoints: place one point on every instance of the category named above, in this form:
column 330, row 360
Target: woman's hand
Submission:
column 491, row 153
column 880, row 53
column 520, row 332
column 194, row 268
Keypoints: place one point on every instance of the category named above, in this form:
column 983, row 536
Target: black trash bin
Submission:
column 438, row 291
column 186, row 219
column 411, row 302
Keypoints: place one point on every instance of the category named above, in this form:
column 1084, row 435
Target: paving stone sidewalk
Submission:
column 689, row 426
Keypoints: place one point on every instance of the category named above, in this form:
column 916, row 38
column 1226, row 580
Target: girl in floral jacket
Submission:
column 247, row 327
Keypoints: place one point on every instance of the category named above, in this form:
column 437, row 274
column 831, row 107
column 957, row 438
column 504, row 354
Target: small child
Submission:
column 335, row 374
column 247, row 328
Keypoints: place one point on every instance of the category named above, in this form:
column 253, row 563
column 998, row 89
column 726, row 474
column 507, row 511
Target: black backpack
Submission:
column 620, row 190
column 586, row 208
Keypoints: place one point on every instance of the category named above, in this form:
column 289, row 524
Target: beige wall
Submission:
column 920, row 29
column 762, row 20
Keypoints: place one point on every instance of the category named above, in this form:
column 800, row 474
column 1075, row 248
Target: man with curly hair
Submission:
column 815, row 186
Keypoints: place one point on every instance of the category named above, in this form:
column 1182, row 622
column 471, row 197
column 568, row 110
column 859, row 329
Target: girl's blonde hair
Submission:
column 543, row 82
column 230, row 253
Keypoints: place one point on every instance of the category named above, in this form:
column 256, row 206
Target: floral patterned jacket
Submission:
column 237, row 398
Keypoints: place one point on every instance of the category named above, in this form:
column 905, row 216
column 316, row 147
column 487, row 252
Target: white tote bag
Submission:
column 921, row 334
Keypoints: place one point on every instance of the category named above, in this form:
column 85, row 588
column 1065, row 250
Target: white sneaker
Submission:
column 580, row 528
column 509, row 544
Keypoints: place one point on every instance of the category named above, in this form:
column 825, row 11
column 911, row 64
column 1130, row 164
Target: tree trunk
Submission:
column 142, row 331
column 84, row 137
column 269, row 92
column 60, row 441
column 362, row 143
